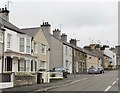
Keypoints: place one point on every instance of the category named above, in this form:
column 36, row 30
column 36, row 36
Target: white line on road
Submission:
column 113, row 83
column 107, row 88
column 75, row 82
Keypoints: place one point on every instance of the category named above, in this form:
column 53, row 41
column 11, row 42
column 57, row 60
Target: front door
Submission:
column 9, row 64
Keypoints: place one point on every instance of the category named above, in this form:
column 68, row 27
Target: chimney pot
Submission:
column 5, row 7
column 43, row 23
column 73, row 41
column 2, row 9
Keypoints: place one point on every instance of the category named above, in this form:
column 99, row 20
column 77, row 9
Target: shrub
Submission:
column 23, row 74
column 52, row 75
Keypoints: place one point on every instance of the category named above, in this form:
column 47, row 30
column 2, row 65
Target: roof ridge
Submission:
column 29, row 28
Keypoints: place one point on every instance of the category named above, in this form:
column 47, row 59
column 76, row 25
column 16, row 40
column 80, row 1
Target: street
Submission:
column 102, row 82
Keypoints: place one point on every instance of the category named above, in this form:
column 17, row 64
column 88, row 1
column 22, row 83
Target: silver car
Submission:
column 96, row 70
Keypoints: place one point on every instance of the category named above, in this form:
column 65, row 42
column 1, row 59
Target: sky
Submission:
column 88, row 21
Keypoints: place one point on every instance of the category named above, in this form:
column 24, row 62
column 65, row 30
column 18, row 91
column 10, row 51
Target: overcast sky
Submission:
column 86, row 21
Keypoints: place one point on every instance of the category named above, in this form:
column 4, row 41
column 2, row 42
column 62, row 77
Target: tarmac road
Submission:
column 102, row 82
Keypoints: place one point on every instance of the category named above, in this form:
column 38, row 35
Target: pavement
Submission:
column 90, row 82
column 44, row 87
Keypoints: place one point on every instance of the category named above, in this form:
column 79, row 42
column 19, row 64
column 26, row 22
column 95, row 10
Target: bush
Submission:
column 110, row 66
column 23, row 74
column 52, row 75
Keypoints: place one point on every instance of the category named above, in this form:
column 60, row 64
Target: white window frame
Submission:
column 43, row 46
column 42, row 64
column 28, row 65
column 35, row 46
column 21, row 44
column 9, row 41
column 22, row 65
column 28, row 45
column 1, row 37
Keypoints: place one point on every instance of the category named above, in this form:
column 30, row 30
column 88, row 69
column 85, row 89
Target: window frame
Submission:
column 21, row 45
column 1, row 37
column 43, row 46
column 28, row 45
column 9, row 41
column 35, row 46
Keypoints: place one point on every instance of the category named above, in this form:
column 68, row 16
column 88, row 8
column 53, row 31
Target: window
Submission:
column 42, row 65
column 28, row 45
column 66, row 64
column 43, row 49
column 9, row 40
column 28, row 65
column 33, row 65
column 21, row 45
column 22, row 65
column 35, row 48
column 66, row 51
column 1, row 37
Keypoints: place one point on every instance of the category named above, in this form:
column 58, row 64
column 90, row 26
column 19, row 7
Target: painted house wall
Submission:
column 41, row 39
column 56, row 53
column 112, row 55
column 67, row 57
column 1, row 52
column 15, row 41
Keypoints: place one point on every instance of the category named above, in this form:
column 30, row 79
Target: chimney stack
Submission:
column 57, row 33
column 64, row 37
column 4, row 13
column 73, row 42
column 46, row 27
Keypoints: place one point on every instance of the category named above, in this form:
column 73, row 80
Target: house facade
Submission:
column 1, row 48
column 67, row 58
column 56, row 46
column 17, row 52
column 107, row 60
column 40, row 47
column 113, row 57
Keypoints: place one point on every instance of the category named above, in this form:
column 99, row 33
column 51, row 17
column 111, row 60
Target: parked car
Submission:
column 96, row 70
column 61, row 69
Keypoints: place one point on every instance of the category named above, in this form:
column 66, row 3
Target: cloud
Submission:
column 85, row 19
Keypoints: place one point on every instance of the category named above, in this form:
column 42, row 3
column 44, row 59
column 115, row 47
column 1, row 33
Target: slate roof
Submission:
column 9, row 25
column 76, row 47
column 30, row 31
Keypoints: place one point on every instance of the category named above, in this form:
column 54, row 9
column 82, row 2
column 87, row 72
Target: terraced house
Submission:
column 1, row 48
column 40, row 47
column 17, row 49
